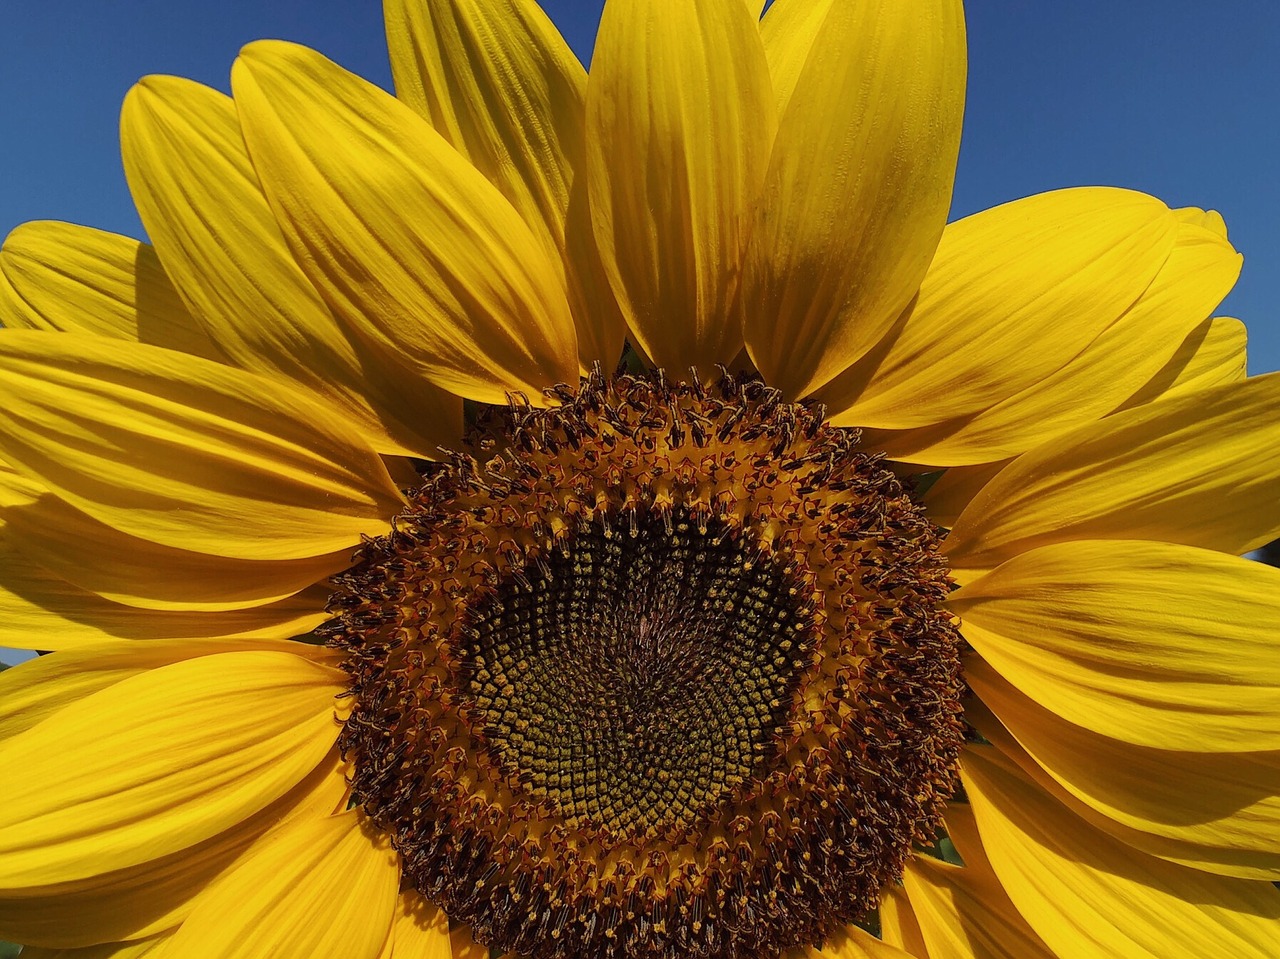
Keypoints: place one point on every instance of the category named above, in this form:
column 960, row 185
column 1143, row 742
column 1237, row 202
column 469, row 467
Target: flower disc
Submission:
column 661, row 670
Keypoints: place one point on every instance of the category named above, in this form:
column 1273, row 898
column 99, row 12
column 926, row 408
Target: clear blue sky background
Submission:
column 1174, row 97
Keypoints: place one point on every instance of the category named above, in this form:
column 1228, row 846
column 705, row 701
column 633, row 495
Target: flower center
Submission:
column 660, row 670
column 638, row 676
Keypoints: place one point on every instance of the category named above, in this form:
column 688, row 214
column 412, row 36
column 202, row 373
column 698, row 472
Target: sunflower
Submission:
column 616, row 517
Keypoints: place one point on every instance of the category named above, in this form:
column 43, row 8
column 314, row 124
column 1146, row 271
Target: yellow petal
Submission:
column 1211, row 355
column 161, row 761
column 898, row 925
column 1014, row 293
column 200, row 202
column 74, row 279
column 858, row 186
column 1199, row 272
column 185, row 452
column 317, row 887
column 135, row 572
column 157, row 895
column 851, row 942
column 1208, row 219
column 463, row 945
column 951, row 493
column 963, row 911
column 420, row 930
column 1087, row 896
column 1185, row 470
column 407, row 242
column 788, row 31
column 36, row 689
column 110, row 950
column 680, row 121
column 1216, row 811
column 41, row 610
column 498, row 82
column 980, row 912
column 1152, row 643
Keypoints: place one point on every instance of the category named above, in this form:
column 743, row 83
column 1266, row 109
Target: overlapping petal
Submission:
column 1216, row 811
column 898, row 925
column 111, row 950
column 1211, row 355
column 963, row 910
column 1153, row 643
column 851, row 942
column 185, row 452
column 41, row 610
column 156, row 895
column 1199, row 272
column 1014, row 293
column 407, row 242
column 125, row 569
column 1086, row 895
column 419, row 930
column 858, row 186
column 318, row 886
column 210, row 741
column 199, row 199
column 680, row 122
column 498, row 82
column 1182, row 470
column 74, row 279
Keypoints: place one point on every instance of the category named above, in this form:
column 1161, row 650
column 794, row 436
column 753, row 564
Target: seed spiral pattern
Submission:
column 659, row 670
column 639, row 677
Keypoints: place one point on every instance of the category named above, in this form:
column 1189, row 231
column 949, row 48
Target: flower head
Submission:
column 616, row 517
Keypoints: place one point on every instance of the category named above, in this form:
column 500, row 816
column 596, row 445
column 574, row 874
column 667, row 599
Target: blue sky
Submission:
column 1174, row 97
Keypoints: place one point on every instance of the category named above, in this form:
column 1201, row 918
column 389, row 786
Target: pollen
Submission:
column 660, row 670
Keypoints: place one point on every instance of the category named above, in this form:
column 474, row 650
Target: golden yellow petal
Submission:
column 1208, row 219
column 156, row 895
column 1014, row 293
column 858, row 186
column 1211, row 355
column 1088, row 896
column 498, row 82
column 184, row 452
column 36, row 689
column 199, row 199
column 41, row 610
column 788, row 31
column 323, row 886
column 135, row 572
column 1216, row 811
column 952, row 491
column 74, row 279
column 1185, row 470
column 680, row 121
column 898, row 925
column 852, row 942
column 966, row 907
column 420, row 930
column 1152, row 643
column 1199, row 272
column 110, row 950
column 407, row 242
column 462, row 945
column 161, row 761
